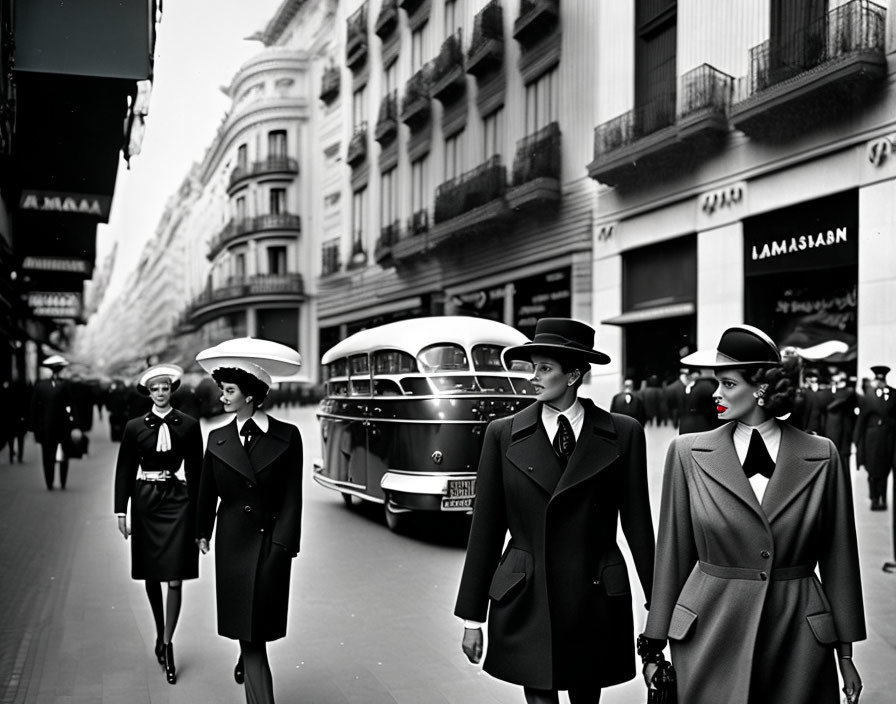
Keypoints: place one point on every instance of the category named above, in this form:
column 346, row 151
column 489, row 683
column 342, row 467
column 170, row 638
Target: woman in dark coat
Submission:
column 254, row 466
column 748, row 512
column 163, row 549
column 558, row 476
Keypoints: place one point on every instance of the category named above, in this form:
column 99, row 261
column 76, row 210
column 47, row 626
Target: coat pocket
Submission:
column 511, row 573
column 614, row 579
column 681, row 623
column 823, row 628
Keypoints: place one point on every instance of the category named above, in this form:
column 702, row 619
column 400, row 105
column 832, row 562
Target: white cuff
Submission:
column 472, row 624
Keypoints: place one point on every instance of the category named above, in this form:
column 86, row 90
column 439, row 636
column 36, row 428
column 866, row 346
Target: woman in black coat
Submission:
column 558, row 476
column 163, row 549
column 254, row 466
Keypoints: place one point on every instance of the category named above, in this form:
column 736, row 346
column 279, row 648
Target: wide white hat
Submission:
column 263, row 359
column 171, row 371
column 55, row 360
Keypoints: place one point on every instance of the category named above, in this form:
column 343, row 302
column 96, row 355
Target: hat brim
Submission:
column 275, row 359
column 713, row 359
column 525, row 351
column 55, row 361
column 171, row 371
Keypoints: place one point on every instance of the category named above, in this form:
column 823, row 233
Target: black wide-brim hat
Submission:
column 558, row 337
column 739, row 346
column 881, row 369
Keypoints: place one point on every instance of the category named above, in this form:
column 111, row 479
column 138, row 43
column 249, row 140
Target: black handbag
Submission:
column 663, row 690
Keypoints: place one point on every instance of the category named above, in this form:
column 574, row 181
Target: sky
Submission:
column 199, row 47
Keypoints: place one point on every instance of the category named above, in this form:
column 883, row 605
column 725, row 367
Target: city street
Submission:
column 370, row 618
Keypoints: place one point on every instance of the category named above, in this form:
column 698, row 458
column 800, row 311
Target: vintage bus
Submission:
column 406, row 407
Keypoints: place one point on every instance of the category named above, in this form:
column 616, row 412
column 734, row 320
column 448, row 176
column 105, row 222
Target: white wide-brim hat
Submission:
column 55, row 360
column 263, row 359
column 170, row 371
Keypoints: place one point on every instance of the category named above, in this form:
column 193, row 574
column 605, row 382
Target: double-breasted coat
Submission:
column 875, row 433
column 734, row 585
column 258, row 526
column 162, row 541
column 558, row 600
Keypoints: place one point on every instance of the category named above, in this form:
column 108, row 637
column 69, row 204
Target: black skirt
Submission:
column 163, row 546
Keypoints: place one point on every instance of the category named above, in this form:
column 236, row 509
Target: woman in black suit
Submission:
column 558, row 476
column 254, row 466
column 153, row 448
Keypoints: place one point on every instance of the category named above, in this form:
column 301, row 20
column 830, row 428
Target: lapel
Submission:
column 269, row 446
column 224, row 443
column 596, row 448
column 797, row 464
column 530, row 450
column 714, row 453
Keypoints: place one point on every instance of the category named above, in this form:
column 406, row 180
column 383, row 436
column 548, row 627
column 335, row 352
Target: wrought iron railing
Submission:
column 330, row 83
column 235, row 228
column 450, row 58
column 357, row 146
column 418, row 223
column 240, row 287
column 704, row 87
column 538, row 155
column 477, row 187
column 488, row 25
column 389, row 235
column 387, row 19
column 857, row 26
column 356, row 35
column 417, row 91
column 634, row 124
column 387, row 118
column 271, row 164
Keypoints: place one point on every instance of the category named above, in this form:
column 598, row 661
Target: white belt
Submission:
column 162, row 476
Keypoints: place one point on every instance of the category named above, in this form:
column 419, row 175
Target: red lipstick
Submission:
column 720, row 408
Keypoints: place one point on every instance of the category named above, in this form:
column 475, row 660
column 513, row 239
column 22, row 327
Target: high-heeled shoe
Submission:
column 170, row 670
column 160, row 652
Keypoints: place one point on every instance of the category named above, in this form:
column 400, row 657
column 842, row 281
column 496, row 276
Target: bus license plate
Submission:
column 460, row 495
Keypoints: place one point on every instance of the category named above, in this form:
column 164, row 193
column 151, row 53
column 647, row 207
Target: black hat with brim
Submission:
column 880, row 369
column 559, row 337
column 739, row 346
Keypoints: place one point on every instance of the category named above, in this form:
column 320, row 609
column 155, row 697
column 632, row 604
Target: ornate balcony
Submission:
column 387, row 120
column 357, row 146
column 815, row 74
column 468, row 205
column 330, row 84
column 416, row 105
column 239, row 293
column 654, row 137
column 538, row 19
column 237, row 230
column 330, row 261
column 449, row 81
column 241, row 173
column 536, row 170
column 387, row 20
column 356, row 38
column 418, row 223
column 486, row 52
column 382, row 252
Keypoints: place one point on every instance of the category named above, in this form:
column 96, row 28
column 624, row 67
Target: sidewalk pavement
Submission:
column 75, row 629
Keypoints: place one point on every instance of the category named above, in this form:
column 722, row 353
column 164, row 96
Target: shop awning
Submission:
column 672, row 310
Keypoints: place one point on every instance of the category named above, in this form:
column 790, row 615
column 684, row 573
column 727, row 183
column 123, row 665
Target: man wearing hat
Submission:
column 52, row 419
column 840, row 415
column 629, row 403
column 558, row 476
column 875, row 436
column 813, row 400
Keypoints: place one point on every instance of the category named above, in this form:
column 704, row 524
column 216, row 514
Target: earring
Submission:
column 760, row 402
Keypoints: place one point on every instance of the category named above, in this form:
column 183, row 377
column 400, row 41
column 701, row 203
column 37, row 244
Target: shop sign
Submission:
column 64, row 265
column 56, row 202
column 55, row 304
column 543, row 296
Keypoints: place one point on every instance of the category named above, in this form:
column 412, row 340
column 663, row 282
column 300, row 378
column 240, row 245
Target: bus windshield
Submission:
column 443, row 358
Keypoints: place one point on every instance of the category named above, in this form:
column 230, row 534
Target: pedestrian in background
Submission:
column 153, row 448
column 840, row 416
column 558, row 476
column 117, row 407
column 19, row 401
column 748, row 512
column 629, row 403
column 815, row 400
column 875, row 436
column 52, row 418
column 253, row 465
column 696, row 408
column 673, row 391
column 654, row 400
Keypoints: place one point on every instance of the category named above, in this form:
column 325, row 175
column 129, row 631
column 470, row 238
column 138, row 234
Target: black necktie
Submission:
column 758, row 461
column 565, row 440
column 250, row 431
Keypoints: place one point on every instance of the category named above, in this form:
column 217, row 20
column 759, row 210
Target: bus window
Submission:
column 386, row 387
column 523, row 386
column 416, row 386
column 393, row 362
column 487, row 358
column 456, row 384
column 337, row 388
column 443, row 358
column 494, row 384
column 520, row 365
column 360, row 387
column 337, row 368
column 359, row 364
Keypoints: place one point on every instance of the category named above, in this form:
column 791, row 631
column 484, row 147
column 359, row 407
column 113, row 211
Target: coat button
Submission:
column 530, row 468
column 249, row 484
column 763, row 576
column 766, row 554
column 596, row 582
column 247, row 509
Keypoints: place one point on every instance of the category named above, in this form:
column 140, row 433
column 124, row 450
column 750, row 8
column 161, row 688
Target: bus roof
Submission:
column 413, row 335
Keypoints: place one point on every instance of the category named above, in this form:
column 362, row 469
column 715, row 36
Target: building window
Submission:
column 242, row 156
column 277, row 201
column 492, row 128
column 453, row 156
column 418, row 48
column 277, row 143
column 419, row 194
column 359, row 220
column 655, row 55
column 277, row 260
column 359, row 107
column 239, row 266
column 541, row 102
column 452, row 15
column 389, row 199
column 240, row 213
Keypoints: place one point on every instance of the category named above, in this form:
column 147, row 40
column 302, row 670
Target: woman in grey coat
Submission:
column 749, row 511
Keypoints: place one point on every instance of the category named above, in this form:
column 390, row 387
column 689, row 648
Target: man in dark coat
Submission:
column 117, row 403
column 814, row 399
column 52, row 418
column 875, row 436
column 654, row 401
column 558, row 601
column 840, row 416
column 672, row 393
column 696, row 407
column 629, row 403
